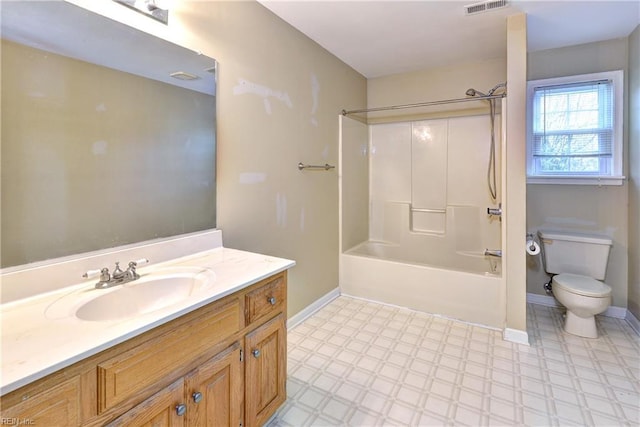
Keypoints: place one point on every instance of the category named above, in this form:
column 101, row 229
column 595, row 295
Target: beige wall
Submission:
column 591, row 209
column 435, row 84
column 279, row 99
column 634, row 173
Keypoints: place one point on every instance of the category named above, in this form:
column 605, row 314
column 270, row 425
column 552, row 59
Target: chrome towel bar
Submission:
column 326, row 166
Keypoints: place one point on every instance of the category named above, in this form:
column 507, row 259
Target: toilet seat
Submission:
column 581, row 285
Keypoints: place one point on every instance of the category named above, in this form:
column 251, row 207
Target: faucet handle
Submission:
column 134, row 264
column 90, row 274
column 103, row 272
column 132, row 268
column 117, row 270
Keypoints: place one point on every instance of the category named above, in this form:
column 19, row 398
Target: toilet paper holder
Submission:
column 532, row 247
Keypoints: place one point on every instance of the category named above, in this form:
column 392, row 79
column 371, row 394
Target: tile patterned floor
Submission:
column 358, row 363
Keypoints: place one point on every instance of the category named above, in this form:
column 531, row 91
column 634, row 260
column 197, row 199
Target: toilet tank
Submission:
column 567, row 252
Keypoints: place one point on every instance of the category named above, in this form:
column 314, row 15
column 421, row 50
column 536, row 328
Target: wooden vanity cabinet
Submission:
column 210, row 395
column 161, row 409
column 221, row 365
column 214, row 392
column 57, row 406
column 265, row 371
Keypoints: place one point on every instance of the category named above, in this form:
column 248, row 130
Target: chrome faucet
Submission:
column 494, row 253
column 118, row 277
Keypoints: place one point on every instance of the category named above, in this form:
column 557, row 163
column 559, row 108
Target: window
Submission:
column 575, row 130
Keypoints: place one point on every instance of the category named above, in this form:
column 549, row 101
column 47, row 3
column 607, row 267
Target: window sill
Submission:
column 577, row 180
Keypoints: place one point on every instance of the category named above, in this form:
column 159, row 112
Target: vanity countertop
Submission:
column 35, row 343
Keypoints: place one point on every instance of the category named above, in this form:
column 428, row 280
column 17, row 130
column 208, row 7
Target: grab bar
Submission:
column 326, row 166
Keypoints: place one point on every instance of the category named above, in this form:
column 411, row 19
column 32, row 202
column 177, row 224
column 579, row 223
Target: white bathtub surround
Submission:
column 34, row 344
column 436, row 254
column 422, row 190
column 431, row 175
column 475, row 298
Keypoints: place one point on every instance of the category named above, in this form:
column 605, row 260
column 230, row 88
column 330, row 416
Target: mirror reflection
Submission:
column 101, row 146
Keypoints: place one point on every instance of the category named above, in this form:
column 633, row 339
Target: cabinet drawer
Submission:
column 129, row 373
column 161, row 409
column 268, row 298
column 57, row 406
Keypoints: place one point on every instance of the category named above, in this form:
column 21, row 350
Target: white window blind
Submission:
column 575, row 127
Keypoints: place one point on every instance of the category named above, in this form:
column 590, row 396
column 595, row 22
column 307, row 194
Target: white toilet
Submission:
column 579, row 262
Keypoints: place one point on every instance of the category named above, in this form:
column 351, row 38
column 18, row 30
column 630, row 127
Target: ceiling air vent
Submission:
column 485, row 6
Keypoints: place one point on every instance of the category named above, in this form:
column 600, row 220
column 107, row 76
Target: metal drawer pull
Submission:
column 256, row 353
column 181, row 409
column 197, row 397
column 271, row 300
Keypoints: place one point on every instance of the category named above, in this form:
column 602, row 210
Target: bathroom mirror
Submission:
column 101, row 146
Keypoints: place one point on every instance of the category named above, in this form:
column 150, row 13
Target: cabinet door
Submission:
column 265, row 371
column 166, row 408
column 58, row 406
column 215, row 391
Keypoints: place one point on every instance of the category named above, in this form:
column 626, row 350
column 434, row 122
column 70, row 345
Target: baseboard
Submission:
column 633, row 322
column 549, row 301
column 546, row 300
column 516, row 336
column 617, row 312
column 306, row 312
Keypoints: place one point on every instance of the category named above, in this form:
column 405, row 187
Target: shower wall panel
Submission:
column 428, row 182
column 390, row 171
column 469, row 143
column 429, row 164
column 354, row 175
column 429, row 175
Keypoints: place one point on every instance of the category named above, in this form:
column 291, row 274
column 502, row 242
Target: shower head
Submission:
column 498, row 86
column 473, row 92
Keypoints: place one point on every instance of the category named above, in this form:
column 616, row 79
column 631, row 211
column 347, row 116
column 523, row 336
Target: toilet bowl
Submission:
column 583, row 297
column 579, row 264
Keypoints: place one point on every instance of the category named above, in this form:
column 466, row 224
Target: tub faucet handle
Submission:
column 495, row 211
column 494, row 253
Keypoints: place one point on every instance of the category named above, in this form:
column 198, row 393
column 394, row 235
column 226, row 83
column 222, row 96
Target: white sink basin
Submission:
column 152, row 292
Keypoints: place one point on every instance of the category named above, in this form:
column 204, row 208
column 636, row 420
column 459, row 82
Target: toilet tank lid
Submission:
column 575, row 237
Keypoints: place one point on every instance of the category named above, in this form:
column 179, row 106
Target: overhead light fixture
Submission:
column 156, row 9
column 158, row 4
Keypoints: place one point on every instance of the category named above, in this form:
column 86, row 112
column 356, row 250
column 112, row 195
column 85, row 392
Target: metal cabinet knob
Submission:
column 197, row 397
column 181, row 409
column 271, row 300
column 256, row 353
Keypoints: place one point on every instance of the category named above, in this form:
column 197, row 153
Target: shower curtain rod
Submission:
column 424, row 104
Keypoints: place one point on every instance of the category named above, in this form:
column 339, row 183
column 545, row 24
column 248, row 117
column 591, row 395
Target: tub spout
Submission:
column 495, row 211
column 495, row 253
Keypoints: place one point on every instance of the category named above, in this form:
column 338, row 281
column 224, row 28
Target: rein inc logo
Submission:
column 15, row 421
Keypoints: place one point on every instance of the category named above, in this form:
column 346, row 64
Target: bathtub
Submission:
column 465, row 285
